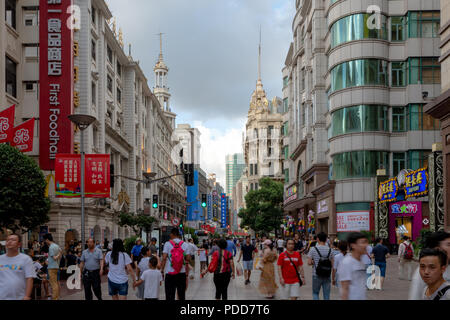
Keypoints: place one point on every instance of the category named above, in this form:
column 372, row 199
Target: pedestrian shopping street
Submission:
column 203, row 289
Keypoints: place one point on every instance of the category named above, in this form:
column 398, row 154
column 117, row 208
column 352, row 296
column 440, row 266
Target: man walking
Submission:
column 352, row 271
column 231, row 247
column 16, row 272
column 380, row 253
column 54, row 255
column 177, row 270
column 91, row 267
column 153, row 248
column 405, row 258
column 298, row 244
column 321, row 258
column 280, row 245
column 248, row 253
column 193, row 249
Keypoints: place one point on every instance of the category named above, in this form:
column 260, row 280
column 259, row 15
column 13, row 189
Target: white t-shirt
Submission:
column 280, row 243
column 354, row 271
column 143, row 264
column 117, row 272
column 202, row 255
column 152, row 281
column 446, row 296
column 366, row 257
column 418, row 286
column 337, row 260
column 13, row 274
column 193, row 249
column 168, row 248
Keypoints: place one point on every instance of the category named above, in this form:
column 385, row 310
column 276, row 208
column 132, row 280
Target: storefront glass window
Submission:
column 359, row 73
column 355, row 27
column 361, row 118
column 359, row 164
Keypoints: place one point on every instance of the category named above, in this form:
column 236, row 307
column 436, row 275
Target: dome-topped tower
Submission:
column 161, row 89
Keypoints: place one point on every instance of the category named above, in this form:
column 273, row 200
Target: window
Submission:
column 30, row 19
column 398, row 74
column 119, row 96
column 424, row 71
column 11, row 77
column 424, row 24
column 109, row 53
column 355, row 27
column 93, row 14
column 119, row 68
column 251, row 169
column 29, row 86
column 285, row 105
column 361, row 118
column 359, row 164
column 286, row 153
column 10, row 13
column 399, row 162
column 303, row 114
column 109, row 84
column 418, row 120
column 398, row 28
column 418, row 159
column 31, row 51
column 256, row 169
column 93, row 50
column 94, row 93
column 285, row 82
column 359, row 73
column 398, row 119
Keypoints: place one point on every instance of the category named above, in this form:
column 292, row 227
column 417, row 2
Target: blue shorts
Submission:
column 117, row 289
column 382, row 266
column 248, row 265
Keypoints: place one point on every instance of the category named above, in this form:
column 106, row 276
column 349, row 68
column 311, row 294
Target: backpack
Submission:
column 176, row 257
column 409, row 254
column 323, row 269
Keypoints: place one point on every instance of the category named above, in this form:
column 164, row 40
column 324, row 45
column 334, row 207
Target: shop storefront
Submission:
column 406, row 219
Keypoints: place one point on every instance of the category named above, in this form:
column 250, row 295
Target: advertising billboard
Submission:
column 353, row 221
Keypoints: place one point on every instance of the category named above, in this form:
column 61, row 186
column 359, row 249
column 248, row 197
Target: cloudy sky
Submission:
column 211, row 49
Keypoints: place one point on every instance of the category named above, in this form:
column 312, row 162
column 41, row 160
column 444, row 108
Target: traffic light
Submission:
column 111, row 175
column 204, row 200
column 189, row 175
column 155, row 201
column 181, row 225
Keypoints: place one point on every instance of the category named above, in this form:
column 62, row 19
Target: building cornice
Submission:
column 315, row 168
column 329, row 185
column 298, row 151
column 439, row 107
column 117, row 137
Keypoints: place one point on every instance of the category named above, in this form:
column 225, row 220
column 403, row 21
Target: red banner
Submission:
column 97, row 176
column 7, row 124
column 22, row 137
column 68, row 176
column 56, row 81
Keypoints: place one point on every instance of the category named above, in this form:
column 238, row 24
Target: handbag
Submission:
column 296, row 270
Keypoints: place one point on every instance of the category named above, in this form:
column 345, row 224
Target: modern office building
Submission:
column 235, row 166
column 358, row 83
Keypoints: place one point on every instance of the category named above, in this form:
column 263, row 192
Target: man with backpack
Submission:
column 405, row 258
column 175, row 266
column 321, row 258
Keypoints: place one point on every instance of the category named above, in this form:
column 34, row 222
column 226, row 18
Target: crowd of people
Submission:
column 351, row 265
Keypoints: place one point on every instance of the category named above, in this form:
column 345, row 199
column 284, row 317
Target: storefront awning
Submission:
column 300, row 203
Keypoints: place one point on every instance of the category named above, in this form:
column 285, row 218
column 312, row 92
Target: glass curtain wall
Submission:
column 355, row 27
column 361, row 118
column 359, row 164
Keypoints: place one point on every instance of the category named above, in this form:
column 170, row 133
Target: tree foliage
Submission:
column 23, row 204
column 138, row 222
column 264, row 212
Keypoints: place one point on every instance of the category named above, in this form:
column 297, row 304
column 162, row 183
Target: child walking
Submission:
column 152, row 280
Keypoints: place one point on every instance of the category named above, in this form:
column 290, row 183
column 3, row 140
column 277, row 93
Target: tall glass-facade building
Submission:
column 235, row 166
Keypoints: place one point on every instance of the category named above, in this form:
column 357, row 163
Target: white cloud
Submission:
column 216, row 144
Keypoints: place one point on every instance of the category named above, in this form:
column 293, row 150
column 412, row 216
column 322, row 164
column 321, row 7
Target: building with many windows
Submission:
column 358, row 83
column 234, row 167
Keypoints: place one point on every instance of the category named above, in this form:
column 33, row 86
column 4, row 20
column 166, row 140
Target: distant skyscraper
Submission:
column 235, row 166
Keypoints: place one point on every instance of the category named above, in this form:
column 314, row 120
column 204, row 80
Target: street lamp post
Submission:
column 82, row 121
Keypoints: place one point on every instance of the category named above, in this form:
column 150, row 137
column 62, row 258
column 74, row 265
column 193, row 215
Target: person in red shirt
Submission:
column 290, row 271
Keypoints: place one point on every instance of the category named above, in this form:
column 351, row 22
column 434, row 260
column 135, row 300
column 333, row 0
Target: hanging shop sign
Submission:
column 388, row 190
column 406, row 207
column 322, row 206
column 223, row 207
column 290, row 194
column 56, row 72
column 416, row 183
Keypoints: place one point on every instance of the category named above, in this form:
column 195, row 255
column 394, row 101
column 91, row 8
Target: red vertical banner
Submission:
column 22, row 137
column 97, row 184
column 7, row 124
column 68, row 176
column 56, row 80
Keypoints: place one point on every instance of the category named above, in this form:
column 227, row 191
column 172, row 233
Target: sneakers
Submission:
column 247, row 282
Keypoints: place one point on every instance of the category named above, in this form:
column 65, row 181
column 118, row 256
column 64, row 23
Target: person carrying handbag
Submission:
column 222, row 266
column 290, row 271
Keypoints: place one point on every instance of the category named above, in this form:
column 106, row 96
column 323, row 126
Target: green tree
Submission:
column 23, row 204
column 264, row 212
column 138, row 222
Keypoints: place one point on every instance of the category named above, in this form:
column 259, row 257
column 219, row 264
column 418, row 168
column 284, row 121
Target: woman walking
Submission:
column 222, row 266
column 267, row 284
column 118, row 260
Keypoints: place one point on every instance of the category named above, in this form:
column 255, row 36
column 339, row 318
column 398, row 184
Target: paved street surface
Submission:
column 203, row 289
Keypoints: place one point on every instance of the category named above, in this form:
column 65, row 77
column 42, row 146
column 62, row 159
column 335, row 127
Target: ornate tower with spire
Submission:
column 161, row 90
column 259, row 100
